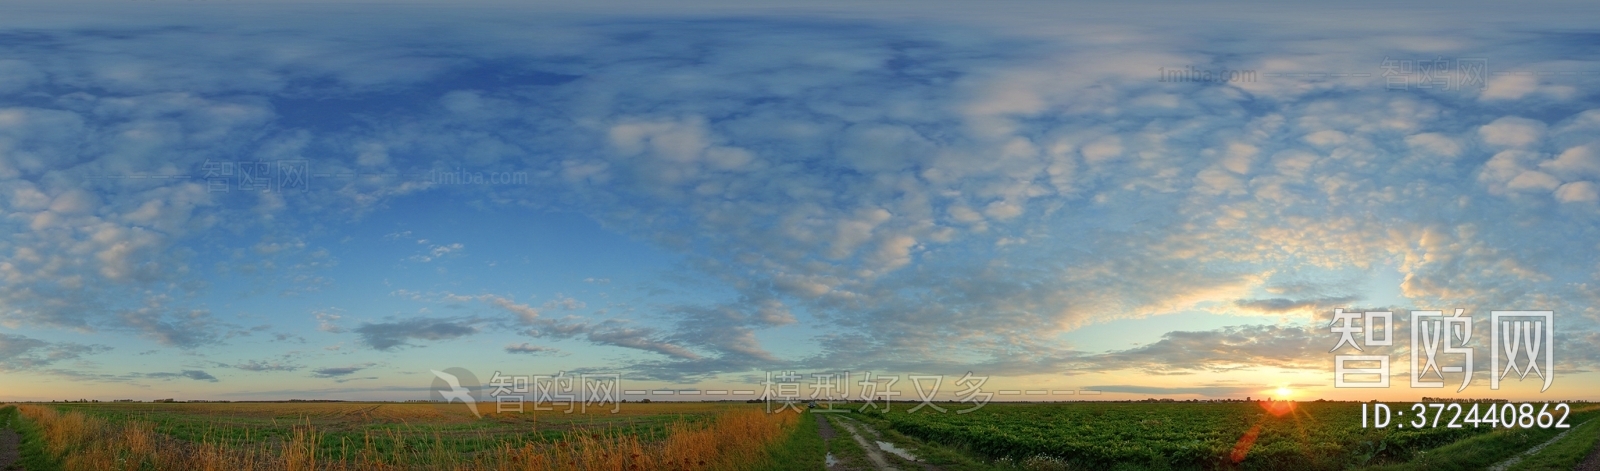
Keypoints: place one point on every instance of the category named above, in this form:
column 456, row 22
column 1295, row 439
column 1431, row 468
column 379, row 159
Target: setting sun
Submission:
column 1284, row 392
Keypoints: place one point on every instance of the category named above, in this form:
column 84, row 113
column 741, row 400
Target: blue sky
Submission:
column 692, row 195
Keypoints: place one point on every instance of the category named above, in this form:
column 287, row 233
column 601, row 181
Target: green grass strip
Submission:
column 804, row 450
column 1483, row 451
column 958, row 457
column 1564, row 454
column 34, row 455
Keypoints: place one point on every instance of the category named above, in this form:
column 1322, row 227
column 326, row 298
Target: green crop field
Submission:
column 738, row 436
column 1311, row 435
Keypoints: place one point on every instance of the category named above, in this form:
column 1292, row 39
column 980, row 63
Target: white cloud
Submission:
column 875, row 177
column 1512, row 132
column 1509, row 87
column 1578, row 192
column 1326, row 138
column 1532, row 180
column 564, row 303
column 18, row 352
column 1575, row 163
column 1435, row 144
column 1518, row 86
column 1103, row 149
column 436, row 252
column 526, row 314
column 328, row 322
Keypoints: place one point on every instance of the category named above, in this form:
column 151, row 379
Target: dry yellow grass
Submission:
column 328, row 412
column 86, row 442
column 733, row 440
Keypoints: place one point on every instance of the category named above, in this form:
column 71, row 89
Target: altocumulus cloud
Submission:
column 529, row 348
column 340, row 371
column 20, row 352
column 264, row 366
column 196, row 375
column 391, row 335
column 948, row 184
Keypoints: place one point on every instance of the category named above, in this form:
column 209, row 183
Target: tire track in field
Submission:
column 877, row 437
column 9, row 452
column 10, row 443
column 825, row 429
column 876, row 457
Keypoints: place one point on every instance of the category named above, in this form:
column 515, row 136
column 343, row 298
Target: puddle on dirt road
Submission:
column 831, row 460
column 901, row 452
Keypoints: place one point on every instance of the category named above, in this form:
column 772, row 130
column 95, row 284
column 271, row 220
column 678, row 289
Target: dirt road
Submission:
column 8, row 450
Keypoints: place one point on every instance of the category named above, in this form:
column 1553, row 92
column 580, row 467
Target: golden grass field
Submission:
column 378, row 436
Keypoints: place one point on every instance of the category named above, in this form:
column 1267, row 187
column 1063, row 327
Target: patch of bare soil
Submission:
column 9, row 440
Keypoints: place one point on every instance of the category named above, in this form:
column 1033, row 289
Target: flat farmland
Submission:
column 1201, row 436
column 739, row 436
column 349, row 435
column 400, row 424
